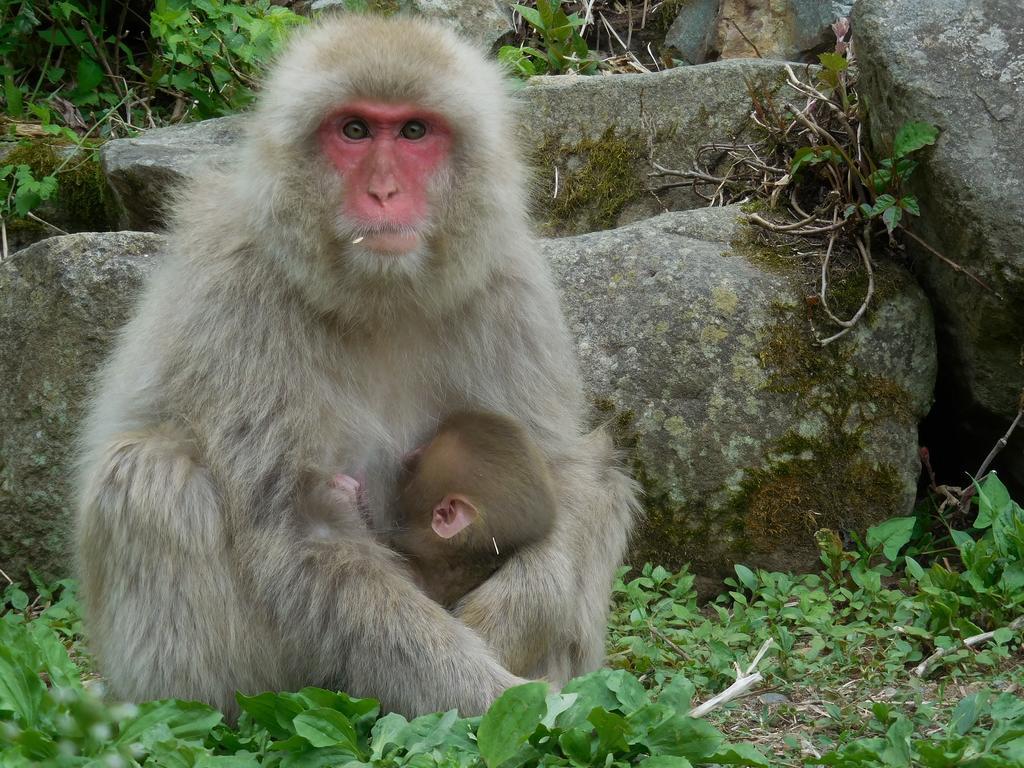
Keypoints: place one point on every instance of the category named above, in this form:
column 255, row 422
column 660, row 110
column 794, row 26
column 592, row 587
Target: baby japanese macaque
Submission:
column 477, row 492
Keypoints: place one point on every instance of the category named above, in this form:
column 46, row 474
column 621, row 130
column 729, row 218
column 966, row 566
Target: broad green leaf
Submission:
column 556, row 704
column 912, row 136
column 665, row 761
column 913, row 568
column 612, row 730
column 186, row 720
column 531, row 16
column 993, row 500
column 630, row 694
column 891, row 536
column 274, row 711
column 833, row 62
column 323, row 727
column 746, row 576
column 678, row 694
column 21, row 690
column 13, row 97
column 89, row 74
column 694, row 739
column 740, row 754
column 910, row 204
column 967, row 712
column 511, row 721
column 390, row 730
column 892, row 216
column 577, row 745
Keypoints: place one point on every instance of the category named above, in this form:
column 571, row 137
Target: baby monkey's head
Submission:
column 481, row 485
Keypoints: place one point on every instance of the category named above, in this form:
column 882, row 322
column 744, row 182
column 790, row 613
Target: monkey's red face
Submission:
column 387, row 155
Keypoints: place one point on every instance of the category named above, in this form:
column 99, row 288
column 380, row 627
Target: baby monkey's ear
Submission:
column 453, row 514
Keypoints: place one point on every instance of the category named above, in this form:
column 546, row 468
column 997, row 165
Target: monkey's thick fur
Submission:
column 267, row 351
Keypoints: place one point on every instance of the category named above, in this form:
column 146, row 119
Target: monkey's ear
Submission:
column 452, row 515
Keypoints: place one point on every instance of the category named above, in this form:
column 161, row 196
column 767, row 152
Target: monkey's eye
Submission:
column 355, row 129
column 414, row 129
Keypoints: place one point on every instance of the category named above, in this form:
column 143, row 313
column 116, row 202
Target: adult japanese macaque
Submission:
column 478, row 492
column 364, row 271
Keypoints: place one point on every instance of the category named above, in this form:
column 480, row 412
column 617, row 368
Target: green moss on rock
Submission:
column 82, row 200
column 597, row 179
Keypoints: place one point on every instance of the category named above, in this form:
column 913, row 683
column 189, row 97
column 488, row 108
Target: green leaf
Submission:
column 273, row 711
column 185, row 720
column 967, row 712
column 612, row 730
column 89, row 74
column 323, row 727
column 746, row 576
column 694, row 739
column 630, row 694
column 740, row 754
column 21, row 690
column 993, row 500
column 891, row 536
column 833, row 62
column 665, row 761
column 390, row 730
column 531, row 16
column 910, row 204
column 678, row 694
column 913, row 136
column 13, row 97
column 914, row 568
column 510, row 721
column 891, row 216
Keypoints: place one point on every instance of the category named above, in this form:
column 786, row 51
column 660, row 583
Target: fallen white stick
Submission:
column 744, row 682
column 923, row 668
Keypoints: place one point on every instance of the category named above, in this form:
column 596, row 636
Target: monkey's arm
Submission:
column 179, row 579
column 545, row 611
column 350, row 608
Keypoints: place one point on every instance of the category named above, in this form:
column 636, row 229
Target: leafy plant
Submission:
column 211, row 50
column 561, row 49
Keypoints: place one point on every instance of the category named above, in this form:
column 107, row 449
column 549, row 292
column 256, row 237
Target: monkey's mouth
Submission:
column 391, row 241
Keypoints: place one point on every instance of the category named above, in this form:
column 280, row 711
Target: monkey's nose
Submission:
column 382, row 190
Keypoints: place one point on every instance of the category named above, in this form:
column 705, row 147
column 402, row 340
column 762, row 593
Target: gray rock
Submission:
column 746, row 437
column 791, row 30
column 960, row 65
column 594, row 130
column 694, row 346
column 482, row 21
column 143, row 171
column 692, row 29
column 61, row 300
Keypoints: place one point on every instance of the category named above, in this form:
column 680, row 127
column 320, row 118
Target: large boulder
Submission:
column 694, row 345
column 587, row 136
column 484, row 22
column 61, row 300
column 792, row 30
column 746, row 436
column 960, row 65
column 142, row 171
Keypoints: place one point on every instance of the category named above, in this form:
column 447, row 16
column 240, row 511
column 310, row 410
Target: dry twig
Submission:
column 925, row 666
column 744, row 682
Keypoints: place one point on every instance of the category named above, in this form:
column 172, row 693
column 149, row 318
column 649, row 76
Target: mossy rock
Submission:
column 82, row 203
column 746, row 435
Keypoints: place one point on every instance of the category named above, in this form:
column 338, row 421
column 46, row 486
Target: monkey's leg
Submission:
column 545, row 612
column 351, row 618
column 163, row 614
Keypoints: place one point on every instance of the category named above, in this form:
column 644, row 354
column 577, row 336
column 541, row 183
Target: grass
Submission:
column 839, row 687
